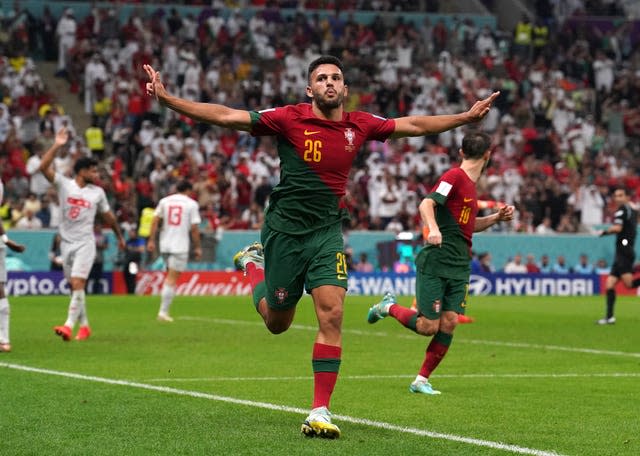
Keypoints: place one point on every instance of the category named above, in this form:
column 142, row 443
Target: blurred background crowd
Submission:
column 566, row 127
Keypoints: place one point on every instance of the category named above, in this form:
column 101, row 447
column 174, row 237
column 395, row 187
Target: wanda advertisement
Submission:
column 192, row 283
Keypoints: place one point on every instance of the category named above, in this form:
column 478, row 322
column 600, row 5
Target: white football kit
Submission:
column 79, row 206
column 178, row 213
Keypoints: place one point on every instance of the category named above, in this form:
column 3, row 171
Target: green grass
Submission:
column 517, row 376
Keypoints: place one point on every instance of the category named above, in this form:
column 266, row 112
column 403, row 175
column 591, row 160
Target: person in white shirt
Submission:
column 5, row 345
column 66, row 32
column 29, row 221
column 80, row 201
column 545, row 228
column 38, row 183
column 180, row 217
column 515, row 266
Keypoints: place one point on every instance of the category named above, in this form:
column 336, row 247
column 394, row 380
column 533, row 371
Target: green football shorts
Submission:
column 435, row 295
column 294, row 263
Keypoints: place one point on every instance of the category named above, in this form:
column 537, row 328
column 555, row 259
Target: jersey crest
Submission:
column 350, row 136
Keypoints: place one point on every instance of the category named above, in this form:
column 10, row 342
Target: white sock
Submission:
column 167, row 294
column 84, row 318
column 76, row 306
column 4, row 321
column 421, row 379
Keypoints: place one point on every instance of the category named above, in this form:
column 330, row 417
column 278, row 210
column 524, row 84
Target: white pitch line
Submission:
column 590, row 351
column 399, row 376
column 283, row 408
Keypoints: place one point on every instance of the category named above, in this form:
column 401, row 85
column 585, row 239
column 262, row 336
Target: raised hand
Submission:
column 481, row 108
column 62, row 136
column 155, row 87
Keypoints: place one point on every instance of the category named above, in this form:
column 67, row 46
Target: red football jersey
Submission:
column 316, row 156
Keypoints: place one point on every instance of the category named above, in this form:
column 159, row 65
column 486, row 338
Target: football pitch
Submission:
column 532, row 375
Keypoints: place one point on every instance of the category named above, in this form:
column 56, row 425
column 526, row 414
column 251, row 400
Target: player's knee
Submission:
column 426, row 327
column 448, row 326
column 334, row 315
column 277, row 327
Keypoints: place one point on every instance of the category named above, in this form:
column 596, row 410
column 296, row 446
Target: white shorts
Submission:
column 176, row 261
column 3, row 264
column 77, row 258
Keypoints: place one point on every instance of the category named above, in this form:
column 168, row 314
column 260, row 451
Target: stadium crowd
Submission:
column 566, row 127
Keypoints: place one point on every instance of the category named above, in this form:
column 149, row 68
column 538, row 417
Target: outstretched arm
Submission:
column 504, row 214
column 62, row 136
column 429, row 125
column 613, row 229
column 215, row 114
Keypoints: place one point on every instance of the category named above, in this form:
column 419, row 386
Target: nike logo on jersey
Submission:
column 307, row 132
column 467, row 200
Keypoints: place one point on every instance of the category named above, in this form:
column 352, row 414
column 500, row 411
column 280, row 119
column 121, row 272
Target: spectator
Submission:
column 485, row 262
column 566, row 224
column 545, row 264
column 38, row 183
column 589, row 203
column 560, row 266
column 601, row 267
column 364, row 265
column 44, row 213
column 515, row 266
column 32, row 204
column 475, row 263
column 132, row 258
column 95, row 275
column 545, row 227
column 29, row 221
column 66, row 33
column 532, row 267
column 583, row 266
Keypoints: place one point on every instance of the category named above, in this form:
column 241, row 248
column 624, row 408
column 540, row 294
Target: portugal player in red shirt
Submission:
column 302, row 246
column 443, row 266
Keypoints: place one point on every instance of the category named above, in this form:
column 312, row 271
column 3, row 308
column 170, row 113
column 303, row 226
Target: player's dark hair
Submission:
column 475, row 144
column 84, row 163
column 324, row 60
column 183, row 186
column 623, row 189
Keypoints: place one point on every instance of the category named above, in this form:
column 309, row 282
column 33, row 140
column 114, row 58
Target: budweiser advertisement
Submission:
column 191, row 283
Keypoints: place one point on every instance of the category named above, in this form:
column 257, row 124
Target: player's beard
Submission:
column 328, row 104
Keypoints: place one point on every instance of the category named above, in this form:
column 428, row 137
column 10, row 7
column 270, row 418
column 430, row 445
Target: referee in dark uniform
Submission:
column 624, row 226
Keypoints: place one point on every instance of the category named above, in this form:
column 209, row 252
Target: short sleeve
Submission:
column 103, row 204
column 195, row 215
column 268, row 122
column 158, row 210
column 444, row 188
column 379, row 128
column 620, row 216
